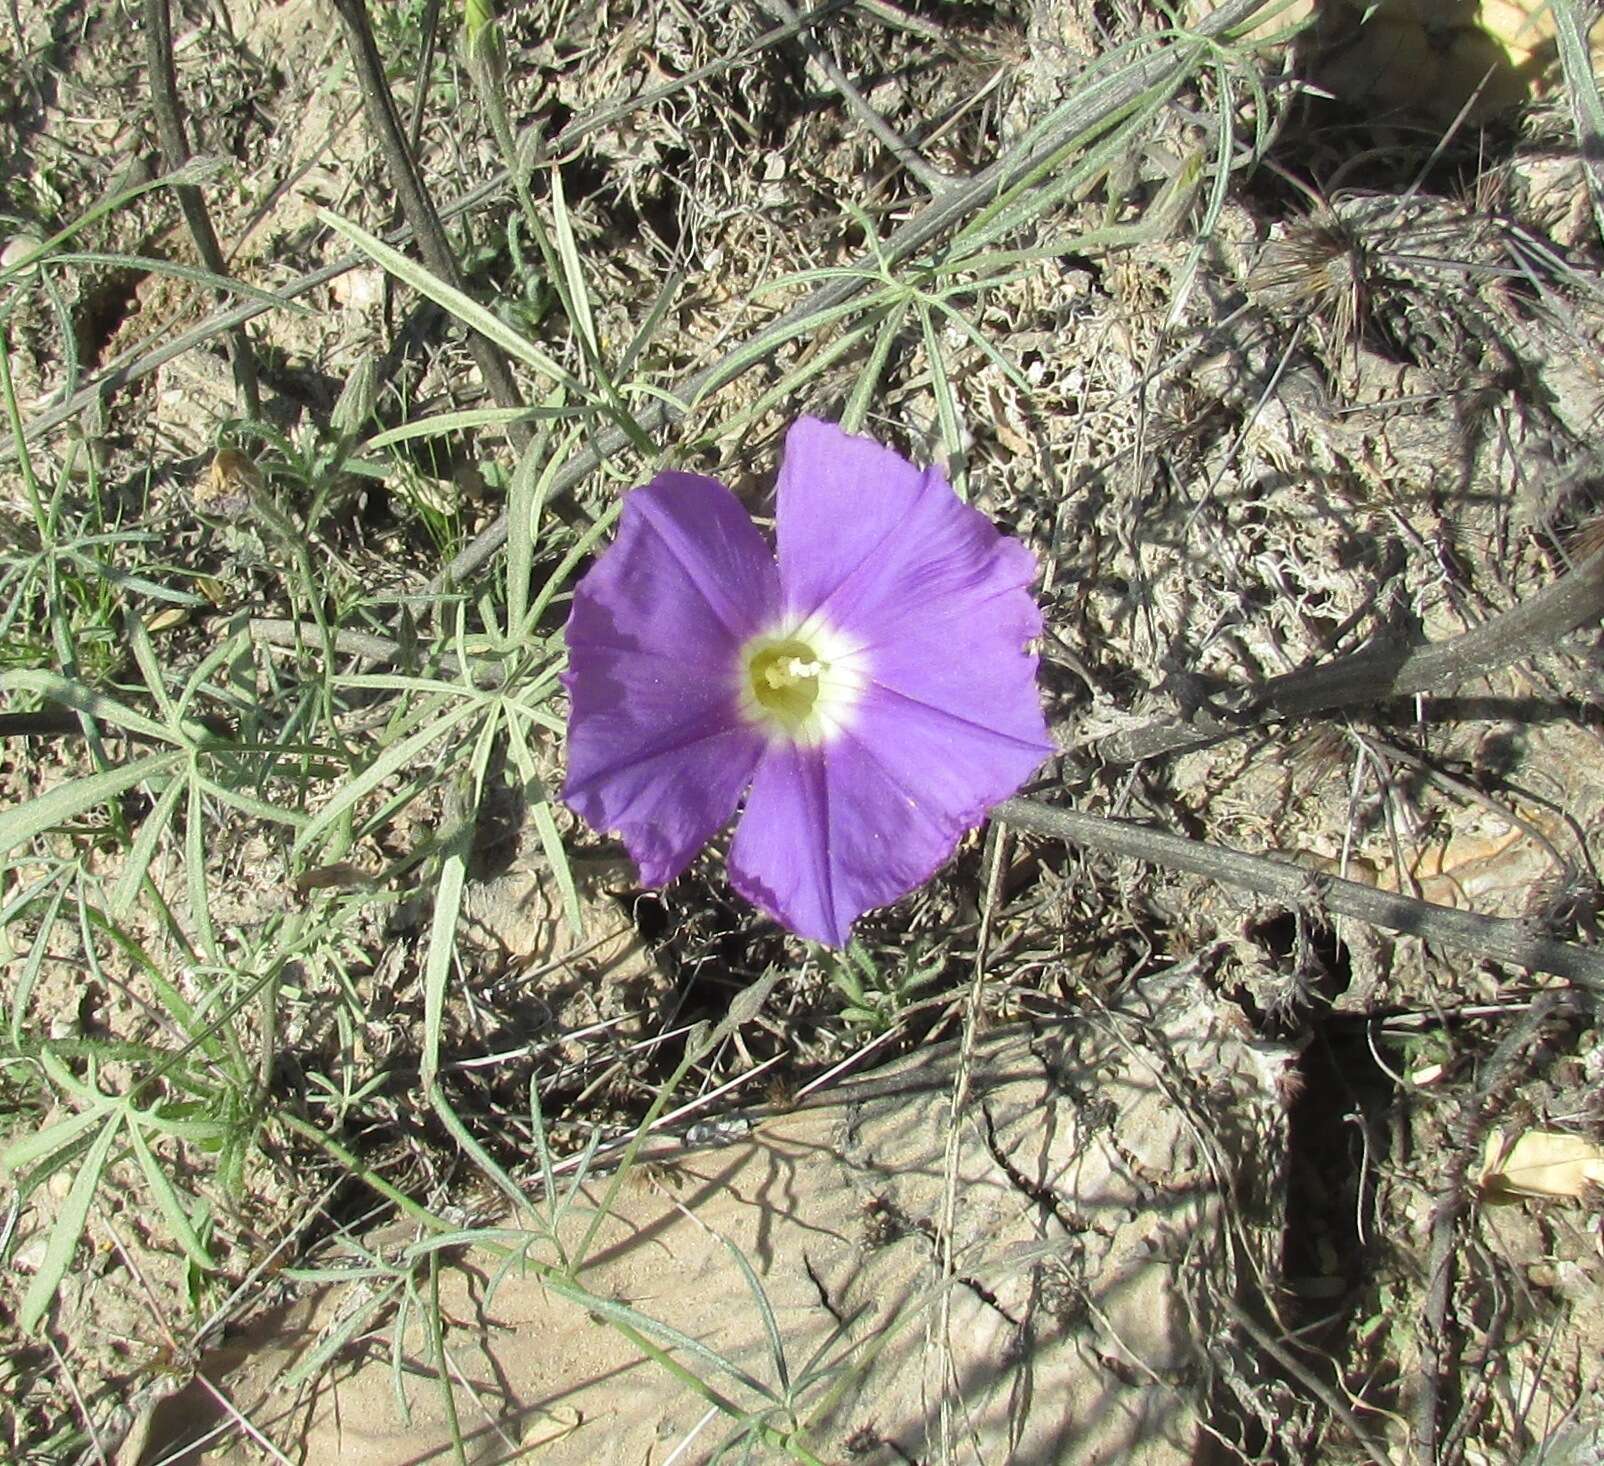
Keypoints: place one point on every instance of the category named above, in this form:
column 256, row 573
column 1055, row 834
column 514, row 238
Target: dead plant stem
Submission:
column 1438, row 1343
column 1316, row 1386
column 379, row 104
column 1378, row 675
column 175, row 154
column 929, row 178
column 1300, row 888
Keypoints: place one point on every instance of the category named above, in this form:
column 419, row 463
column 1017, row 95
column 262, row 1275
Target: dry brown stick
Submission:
column 175, row 154
column 1437, row 1344
column 379, row 104
column 293, row 635
column 1384, row 674
column 929, row 177
column 1311, row 1381
column 1497, row 938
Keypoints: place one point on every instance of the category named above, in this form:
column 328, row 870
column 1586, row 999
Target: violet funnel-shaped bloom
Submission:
column 868, row 689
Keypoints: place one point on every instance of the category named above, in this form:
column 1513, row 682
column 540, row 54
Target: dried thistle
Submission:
column 1319, row 267
column 1586, row 540
column 1318, row 753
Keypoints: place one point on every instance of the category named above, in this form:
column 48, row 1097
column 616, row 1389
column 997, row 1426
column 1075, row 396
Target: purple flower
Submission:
column 869, row 690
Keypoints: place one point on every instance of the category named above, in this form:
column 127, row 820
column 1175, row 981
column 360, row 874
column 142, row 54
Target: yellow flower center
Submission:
column 785, row 679
column 800, row 683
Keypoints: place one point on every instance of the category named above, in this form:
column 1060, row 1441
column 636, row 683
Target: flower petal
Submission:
column 933, row 606
column 968, row 664
column 658, row 749
column 882, row 550
column 832, row 831
column 938, row 608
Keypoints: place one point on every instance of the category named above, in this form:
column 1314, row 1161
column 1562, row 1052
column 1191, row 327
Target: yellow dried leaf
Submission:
column 341, row 876
column 1541, row 1163
column 213, row 589
column 166, row 619
column 550, row 1425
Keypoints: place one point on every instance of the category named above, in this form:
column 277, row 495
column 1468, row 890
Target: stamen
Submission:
column 798, row 685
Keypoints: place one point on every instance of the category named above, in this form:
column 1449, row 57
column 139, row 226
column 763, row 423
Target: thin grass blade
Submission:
column 545, row 823
column 448, row 905
column 143, row 851
column 393, row 759
column 449, row 298
column 868, row 382
column 81, row 699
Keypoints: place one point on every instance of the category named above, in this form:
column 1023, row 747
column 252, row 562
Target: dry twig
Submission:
column 1498, row 938
column 175, row 154
column 1385, row 674
column 1438, row 1347
column 416, row 205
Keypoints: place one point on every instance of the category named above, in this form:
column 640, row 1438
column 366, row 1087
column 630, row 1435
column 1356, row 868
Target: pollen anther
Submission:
column 799, row 683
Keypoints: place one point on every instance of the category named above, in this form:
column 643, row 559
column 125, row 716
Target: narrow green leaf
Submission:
column 223, row 654
column 813, row 365
column 195, row 171
column 621, row 1315
column 196, row 1131
column 151, row 670
column 520, row 553
column 32, row 965
column 150, row 265
column 868, row 382
column 555, row 1202
column 328, row 1348
column 143, row 851
column 1587, row 106
column 393, row 759
column 251, row 805
column 447, row 906
column 128, row 582
column 946, row 405
column 478, row 1155
column 200, row 908
column 771, row 1327
column 442, row 948
column 650, row 326
column 765, row 342
column 58, row 806
column 162, row 1189
column 21, row 1154
column 166, row 993
column 456, row 422
column 551, row 840
column 582, row 547
column 83, row 699
column 578, row 296
column 68, row 1228
column 1014, row 375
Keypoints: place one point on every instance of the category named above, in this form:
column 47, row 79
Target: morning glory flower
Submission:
column 868, row 688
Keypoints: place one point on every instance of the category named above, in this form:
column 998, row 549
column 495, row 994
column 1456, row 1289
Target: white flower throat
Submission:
column 800, row 684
